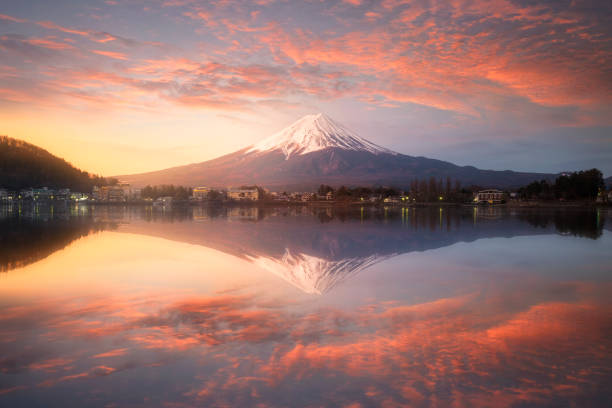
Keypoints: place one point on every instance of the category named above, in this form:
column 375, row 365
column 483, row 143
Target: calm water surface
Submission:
column 140, row 307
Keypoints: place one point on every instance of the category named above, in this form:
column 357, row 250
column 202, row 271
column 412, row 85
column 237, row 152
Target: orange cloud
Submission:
column 52, row 26
column 13, row 19
column 111, row 54
column 51, row 365
column 112, row 353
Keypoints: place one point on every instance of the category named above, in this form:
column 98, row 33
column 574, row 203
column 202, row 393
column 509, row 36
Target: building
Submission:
column 96, row 194
column 490, row 196
column 75, row 196
column 110, row 193
column 243, row 194
column 135, row 193
column 129, row 193
column 118, row 192
column 392, row 200
column 308, row 196
column 3, row 194
column 201, row 193
column 164, row 201
column 62, row 194
column 37, row 194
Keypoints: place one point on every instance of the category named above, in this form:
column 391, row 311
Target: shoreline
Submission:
column 319, row 204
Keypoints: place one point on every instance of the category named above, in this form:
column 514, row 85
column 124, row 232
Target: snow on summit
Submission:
column 312, row 133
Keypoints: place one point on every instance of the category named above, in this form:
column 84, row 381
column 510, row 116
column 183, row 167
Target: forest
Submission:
column 24, row 165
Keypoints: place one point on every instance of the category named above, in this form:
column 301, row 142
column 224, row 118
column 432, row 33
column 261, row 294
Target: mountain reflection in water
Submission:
column 289, row 242
column 114, row 306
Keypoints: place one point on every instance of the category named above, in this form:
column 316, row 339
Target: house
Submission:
column 135, row 193
column 201, row 193
column 166, row 200
column 96, row 194
column 75, row 196
column 62, row 194
column 490, row 196
column 243, row 194
column 36, row 194
column 308, row 196
column 111, row 193
column 128, row 192
column 329, row 196
column 392, row 200
column 116, row 193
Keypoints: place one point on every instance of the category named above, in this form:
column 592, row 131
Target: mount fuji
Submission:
column 317, row 150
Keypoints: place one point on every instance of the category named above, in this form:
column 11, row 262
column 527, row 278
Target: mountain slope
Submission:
column 24, row 165
column 313, row 133
column 316, row 150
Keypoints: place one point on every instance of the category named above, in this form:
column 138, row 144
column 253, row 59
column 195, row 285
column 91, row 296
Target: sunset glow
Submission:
column 119, row 87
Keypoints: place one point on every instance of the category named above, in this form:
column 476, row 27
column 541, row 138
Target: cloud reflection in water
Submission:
column 519, row 337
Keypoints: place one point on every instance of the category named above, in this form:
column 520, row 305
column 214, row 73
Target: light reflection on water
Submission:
column 113, row 306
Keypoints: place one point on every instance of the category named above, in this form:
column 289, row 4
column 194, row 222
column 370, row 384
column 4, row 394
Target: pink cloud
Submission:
column 466, row 57
column 52, row 26
column 111, row 54
column 111, row 353
column 13, row 19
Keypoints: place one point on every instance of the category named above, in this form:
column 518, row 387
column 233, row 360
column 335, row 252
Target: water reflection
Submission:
column 31, row 233
column 174, row 311
column 289, row 242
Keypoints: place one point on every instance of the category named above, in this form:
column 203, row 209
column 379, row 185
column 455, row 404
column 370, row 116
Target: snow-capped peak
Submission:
column 312, row 133
column 312, row 274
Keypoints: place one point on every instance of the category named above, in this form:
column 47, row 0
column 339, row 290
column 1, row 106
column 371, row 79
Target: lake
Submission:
column 146, row 307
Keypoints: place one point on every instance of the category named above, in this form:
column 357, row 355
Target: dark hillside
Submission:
column 24, row 165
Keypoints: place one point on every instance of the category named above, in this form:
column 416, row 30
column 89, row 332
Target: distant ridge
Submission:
column 317, row 150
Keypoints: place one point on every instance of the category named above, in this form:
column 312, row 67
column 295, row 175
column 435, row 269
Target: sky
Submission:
column 127, row 86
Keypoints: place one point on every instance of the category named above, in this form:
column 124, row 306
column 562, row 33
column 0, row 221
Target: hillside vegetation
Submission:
column 24, row 165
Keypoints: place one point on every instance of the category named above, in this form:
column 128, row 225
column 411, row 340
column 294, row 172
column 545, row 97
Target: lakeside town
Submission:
column 585, row 187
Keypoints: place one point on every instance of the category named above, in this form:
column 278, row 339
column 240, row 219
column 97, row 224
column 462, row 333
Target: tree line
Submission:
column 24, row 165
column 581, row 185
column 424, row 190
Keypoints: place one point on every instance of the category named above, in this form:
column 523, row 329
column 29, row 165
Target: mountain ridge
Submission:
column 312, row 133
column 316, row 150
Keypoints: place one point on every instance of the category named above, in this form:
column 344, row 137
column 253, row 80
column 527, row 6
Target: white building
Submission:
column 243, row 194
column 490, row 196
column 201, row 193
